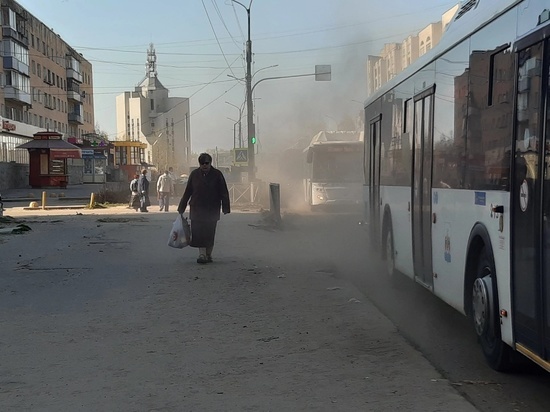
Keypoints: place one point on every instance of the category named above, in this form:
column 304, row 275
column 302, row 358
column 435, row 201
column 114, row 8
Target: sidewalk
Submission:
column 104, row 316
column 82, row 191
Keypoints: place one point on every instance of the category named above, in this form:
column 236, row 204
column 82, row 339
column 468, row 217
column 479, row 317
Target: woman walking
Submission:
column 206, row 192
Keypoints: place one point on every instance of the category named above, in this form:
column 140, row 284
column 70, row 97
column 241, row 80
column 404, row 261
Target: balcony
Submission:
column 11, row 93
column 524, row 84
column 75, row 118
column 74, row 96
column 73, row 74
column 20, row 37
column 11, row 63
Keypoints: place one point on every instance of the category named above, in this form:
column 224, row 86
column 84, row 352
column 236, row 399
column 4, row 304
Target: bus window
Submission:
column 490, row 116
column 451, row 95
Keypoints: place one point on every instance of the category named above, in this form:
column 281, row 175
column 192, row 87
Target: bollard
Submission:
column 92, row 200
column 275, row 203
column 44, row 200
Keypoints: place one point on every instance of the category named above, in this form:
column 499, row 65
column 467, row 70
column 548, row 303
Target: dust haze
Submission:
column 288, row 114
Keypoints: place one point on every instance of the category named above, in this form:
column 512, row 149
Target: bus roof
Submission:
column 331, row 137
column 472, row 15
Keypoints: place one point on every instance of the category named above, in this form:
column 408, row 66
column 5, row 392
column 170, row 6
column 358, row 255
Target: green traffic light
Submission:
column 253, row 139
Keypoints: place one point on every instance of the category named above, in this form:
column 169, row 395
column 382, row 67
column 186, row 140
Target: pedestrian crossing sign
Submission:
column 241, row 157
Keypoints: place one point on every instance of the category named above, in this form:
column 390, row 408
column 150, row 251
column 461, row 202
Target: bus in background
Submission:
column 333, row 169
column 457, row 174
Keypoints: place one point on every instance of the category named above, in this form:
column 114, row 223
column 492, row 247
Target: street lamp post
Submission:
column 239, row 122
column 235, row 122
column 249, row 109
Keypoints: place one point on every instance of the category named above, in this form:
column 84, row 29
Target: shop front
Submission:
column 129, row 158
column 48, row 154
column 95, row 165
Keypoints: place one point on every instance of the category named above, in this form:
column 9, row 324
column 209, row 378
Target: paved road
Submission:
column 97, row 313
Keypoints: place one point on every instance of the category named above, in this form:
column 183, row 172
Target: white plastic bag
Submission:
column 180, row 235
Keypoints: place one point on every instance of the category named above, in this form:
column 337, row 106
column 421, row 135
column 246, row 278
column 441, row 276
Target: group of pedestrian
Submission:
column 139, row 188
column 206, row 194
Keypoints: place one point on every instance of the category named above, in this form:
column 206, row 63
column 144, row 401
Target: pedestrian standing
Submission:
column 135, row 202
column 174, row 180
column 165, row 187
column 143, row 189
column 206, row 192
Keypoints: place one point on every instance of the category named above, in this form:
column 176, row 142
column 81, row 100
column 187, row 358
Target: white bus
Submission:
column 333, row 176
column 457, row 174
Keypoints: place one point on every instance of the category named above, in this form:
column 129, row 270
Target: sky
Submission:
column 200, row 51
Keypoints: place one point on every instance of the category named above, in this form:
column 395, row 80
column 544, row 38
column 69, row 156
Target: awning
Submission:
column 59, row 149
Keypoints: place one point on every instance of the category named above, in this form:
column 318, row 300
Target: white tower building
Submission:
column 149, row 116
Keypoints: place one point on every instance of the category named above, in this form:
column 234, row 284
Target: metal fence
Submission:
column 245, row 193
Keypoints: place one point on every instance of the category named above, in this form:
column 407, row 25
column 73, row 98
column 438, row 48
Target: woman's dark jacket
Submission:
column 205, row 194
column 143, row 184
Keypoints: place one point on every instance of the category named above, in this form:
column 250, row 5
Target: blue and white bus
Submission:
column 457, row 174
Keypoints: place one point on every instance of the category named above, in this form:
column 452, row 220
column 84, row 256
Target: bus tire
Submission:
column 485, row 314
column 388, row 253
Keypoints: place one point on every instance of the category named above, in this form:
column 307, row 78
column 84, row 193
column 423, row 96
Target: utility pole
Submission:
column 249, row 108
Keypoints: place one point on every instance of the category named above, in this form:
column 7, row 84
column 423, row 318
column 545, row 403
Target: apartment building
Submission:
column 409, row 51
column 149, row 116
column 391, row 53
column 376, row 73
column 428, row 37
column 395, row 57
column 46, row 84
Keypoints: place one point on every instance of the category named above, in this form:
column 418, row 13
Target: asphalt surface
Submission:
column 97, row 313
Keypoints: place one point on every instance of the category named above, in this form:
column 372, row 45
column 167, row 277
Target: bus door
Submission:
column 374, row 178
column 422, row 185
column 530, row 202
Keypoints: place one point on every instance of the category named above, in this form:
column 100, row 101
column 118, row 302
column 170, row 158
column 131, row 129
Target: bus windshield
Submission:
column 342, row 165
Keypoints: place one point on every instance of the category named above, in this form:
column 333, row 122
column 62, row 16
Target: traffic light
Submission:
column 253, row 133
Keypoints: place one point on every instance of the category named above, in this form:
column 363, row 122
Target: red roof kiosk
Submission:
column 48, row 154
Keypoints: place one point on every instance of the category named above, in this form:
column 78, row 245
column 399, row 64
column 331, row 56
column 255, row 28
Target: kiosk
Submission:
column 48, row 154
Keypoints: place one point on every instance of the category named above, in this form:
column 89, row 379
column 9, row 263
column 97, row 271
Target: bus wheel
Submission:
column 389, row 253
column 485, row 315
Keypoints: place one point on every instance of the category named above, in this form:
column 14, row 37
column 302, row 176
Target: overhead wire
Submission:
column 215, row 35
column 223, row 22
column 224, row 54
